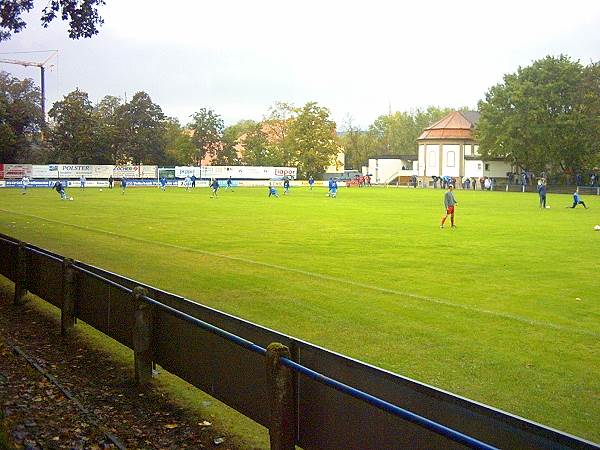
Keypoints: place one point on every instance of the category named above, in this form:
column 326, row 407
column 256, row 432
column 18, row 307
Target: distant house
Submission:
column 449, row 148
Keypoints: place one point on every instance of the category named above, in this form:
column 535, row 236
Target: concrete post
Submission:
column 21, row 275
column 142, row 337
column 282, row 429
column 69, row 292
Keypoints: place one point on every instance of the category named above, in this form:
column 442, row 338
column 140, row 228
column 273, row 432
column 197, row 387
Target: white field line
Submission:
column 396, row 292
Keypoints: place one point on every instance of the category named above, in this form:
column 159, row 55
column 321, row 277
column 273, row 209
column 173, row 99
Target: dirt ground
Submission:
column 57, row 392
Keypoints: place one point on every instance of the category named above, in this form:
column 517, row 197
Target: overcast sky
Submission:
column 356, row 58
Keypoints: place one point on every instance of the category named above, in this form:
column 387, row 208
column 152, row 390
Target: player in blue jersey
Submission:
column 332, row 188
column 273, row 192
column 286, row 186
column 229, row 183
column 214, row 186
column 123, row 185
column 82, row 181
column 58, row 187
column 163, row 183
column 577, row 201
column 311, row 182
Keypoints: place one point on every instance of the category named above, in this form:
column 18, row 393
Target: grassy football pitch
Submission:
column 504, row 309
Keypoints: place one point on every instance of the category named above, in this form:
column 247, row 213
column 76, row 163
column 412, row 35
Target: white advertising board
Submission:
column 248, row 172
column 45, row 171
column 148, row 171
column 185, row 171
column 12, row 171
column 75, row 170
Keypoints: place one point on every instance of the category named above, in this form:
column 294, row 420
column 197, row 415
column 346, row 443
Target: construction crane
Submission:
column 42, row 66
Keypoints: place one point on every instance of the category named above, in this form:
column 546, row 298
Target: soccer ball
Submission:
column 548, row 207
column 71, row 198
column 100, row 190
column 597, row 228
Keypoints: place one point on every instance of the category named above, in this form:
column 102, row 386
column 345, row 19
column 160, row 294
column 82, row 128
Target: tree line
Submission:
column 114, row 131
column 543, row 118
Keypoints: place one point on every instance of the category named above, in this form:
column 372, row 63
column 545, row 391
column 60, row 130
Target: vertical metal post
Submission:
column 21, row 275
column 142, row 337
column 69, row 293
column 43, row 75
column 282, row 429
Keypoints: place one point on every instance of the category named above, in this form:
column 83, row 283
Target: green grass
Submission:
column 504, row 310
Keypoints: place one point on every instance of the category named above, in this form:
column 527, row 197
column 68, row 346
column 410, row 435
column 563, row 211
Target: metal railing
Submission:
column 290, row 386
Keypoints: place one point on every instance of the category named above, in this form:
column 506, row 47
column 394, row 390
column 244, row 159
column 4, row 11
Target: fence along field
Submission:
column 407, row 333
column 211, row 354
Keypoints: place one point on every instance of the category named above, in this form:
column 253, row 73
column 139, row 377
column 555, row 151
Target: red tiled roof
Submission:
column 454, row 126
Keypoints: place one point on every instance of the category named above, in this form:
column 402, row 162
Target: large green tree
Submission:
column 73, row 130
column 232, row 142
column 82, row 15
column 20, row 118
column 311, row 140
column 110, row 132
column 179, row 148
column 143, row 123
column 543, row 117
column 207, row 128
column 258, row 151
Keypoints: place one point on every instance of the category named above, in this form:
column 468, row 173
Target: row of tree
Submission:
column 545, row 117
column 137, row 131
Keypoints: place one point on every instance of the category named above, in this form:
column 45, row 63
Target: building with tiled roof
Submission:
column 449, row 148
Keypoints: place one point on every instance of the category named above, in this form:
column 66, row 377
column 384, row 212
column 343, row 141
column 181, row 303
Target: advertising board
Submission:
column 44, row 171
column 15, row 171
column 185, row 171
column 248, row 172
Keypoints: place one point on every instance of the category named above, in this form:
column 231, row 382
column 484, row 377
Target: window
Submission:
column 476, row 149
column 487, row 167
column 450, row 159
column 432, row 158
column 478, row 166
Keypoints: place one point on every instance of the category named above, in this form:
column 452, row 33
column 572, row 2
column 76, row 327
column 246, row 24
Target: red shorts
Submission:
column 450, row 210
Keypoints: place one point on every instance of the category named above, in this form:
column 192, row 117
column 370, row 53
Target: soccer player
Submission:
column 273, row 192
column 449, row 202
column 577, row 201
column 82, row 182
column 110, row 182
column 187, row 183
column 542, row 193
column 58, row 187
column 286, row 186
column 123, row 185
column 214, row 186
column 193, row 180
column 229, row 183
column 24, row 184
column 311, row 182
column 163, row 183
column 332, row 188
